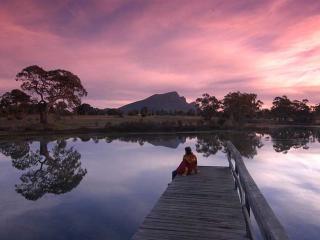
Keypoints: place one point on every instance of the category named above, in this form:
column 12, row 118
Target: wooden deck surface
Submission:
column 202, row 206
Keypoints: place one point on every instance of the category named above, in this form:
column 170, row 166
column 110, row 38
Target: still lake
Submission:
column 101, row 187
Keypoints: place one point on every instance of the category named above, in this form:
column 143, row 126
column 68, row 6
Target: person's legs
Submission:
column 185, row 173
column 174, row 174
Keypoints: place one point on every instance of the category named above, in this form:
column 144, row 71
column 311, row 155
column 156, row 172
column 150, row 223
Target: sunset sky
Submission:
column 127, row 50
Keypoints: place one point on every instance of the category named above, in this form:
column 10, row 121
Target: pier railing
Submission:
column 252, row 199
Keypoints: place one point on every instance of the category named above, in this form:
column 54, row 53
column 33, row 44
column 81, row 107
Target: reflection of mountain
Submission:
column 169, row 141
column 44, row 172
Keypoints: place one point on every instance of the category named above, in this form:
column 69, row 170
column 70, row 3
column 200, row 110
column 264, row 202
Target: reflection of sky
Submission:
column 290, row 183
column 124, row 181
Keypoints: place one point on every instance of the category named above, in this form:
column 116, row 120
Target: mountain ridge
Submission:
column 170, row 101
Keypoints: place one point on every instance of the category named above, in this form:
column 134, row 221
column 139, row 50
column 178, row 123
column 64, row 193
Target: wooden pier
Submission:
column 214, row 204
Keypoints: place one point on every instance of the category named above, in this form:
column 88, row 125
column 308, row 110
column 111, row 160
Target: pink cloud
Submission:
column 124, row 51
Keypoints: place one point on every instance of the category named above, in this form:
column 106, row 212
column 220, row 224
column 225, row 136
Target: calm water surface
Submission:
column 101, row 187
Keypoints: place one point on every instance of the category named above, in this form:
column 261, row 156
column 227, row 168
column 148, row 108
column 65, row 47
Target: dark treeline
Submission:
column 60, row 92
column 234, row 107
column 246, row 107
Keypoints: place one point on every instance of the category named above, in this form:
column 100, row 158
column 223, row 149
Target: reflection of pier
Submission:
column 214, row 204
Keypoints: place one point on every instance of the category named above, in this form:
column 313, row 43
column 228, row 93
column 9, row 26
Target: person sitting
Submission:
column 188, row 165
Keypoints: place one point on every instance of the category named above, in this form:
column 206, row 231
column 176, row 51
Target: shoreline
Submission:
column 103, row 131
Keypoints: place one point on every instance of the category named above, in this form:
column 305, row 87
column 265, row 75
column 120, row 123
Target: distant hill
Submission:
column 170, row 101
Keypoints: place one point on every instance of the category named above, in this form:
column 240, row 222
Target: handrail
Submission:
column 252, row 198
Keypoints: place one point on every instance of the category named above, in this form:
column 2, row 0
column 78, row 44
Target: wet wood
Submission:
column 202, row 206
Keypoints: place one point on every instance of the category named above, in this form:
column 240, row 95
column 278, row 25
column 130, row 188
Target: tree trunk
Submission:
column 44, row 148
column 43, row 110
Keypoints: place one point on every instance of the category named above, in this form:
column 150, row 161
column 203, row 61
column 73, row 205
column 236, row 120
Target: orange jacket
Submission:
column 188, row 164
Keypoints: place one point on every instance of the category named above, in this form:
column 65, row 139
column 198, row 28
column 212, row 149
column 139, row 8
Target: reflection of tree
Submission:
column 286, row 138
column 246, row 143
column 208, row 144
column 15, row 150
column 58, row 172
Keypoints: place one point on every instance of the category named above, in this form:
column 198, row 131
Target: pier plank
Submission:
column 203, row 206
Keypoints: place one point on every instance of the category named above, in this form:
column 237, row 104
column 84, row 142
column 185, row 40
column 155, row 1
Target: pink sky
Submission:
column 127, row 50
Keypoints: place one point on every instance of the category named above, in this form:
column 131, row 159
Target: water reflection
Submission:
column 246, row 142
column 164, row 140
column 58, row 171
column 127, row 174
column 286, row 138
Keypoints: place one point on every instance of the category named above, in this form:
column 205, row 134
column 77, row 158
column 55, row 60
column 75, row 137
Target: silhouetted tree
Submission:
column 60, row 108
column 316, row 109
column 14, row 101
column 144, row 111
column 114, row 112
column 241, row 106
column 282, row 108
column 264, row 114
column 208, row 106
column 84, row 109
column 133, row 113
column 49, row 87
column 302, row 112
column 191, row 112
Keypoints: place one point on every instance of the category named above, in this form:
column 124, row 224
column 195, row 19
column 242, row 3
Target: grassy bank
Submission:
column 31, row 124
column 105, row 124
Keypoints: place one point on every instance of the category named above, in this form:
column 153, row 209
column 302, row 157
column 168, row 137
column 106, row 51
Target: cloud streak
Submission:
column 127, row 50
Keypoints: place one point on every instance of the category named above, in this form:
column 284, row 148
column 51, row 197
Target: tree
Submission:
column 114, row 112
column 133, row 113
column 14, row 101
column 282, row 108
column 301, row 111
column 315, row 112
column 49, row 87
column 60, row 108
column 208, row 106
column 144, row 111
column 84, row 109
column 240, row 106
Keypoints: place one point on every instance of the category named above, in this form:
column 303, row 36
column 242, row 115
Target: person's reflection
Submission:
column 58, row 171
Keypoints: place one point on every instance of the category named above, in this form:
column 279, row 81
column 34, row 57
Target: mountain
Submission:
column 170, row 101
